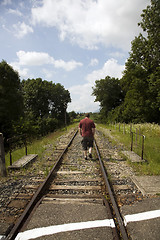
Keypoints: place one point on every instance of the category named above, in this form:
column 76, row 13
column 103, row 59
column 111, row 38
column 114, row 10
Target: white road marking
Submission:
column 141, row 216
column 39, row 232
column 44, row 231
column 2, row 237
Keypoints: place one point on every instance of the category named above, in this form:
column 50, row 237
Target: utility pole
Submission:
column 2, row 157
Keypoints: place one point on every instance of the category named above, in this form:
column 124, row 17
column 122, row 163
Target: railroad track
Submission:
column 73, row 180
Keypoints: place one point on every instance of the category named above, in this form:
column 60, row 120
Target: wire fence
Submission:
column 137, row 139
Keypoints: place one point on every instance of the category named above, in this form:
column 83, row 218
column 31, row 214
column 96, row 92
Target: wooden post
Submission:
column 143, row 137
column 131, row 141
column 124, row 129
column 136, row 136
column 130, row 128
column 139, row 134
column 2, row 157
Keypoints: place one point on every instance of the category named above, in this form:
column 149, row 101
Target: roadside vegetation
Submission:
column 38, row 146
column 122, row 134
column 120, row 131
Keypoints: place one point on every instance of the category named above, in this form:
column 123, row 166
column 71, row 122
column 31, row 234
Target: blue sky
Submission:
column 72, row 42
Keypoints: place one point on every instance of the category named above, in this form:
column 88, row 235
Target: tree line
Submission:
column 136, row 96
column 33, row 106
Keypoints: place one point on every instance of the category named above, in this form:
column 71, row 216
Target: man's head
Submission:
column 87, row 115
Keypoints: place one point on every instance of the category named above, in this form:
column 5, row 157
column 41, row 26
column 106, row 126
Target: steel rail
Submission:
column 110, row 215
column 37, row 196
column 114, row 204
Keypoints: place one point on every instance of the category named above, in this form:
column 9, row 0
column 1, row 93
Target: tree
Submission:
column 142, row 73
column 140, row 84
column 43, row 98
column 11, row 100
column 36, row 95
column 60, row 97
column 109, row 93
column 72, row 115
column 45, row 104
column 151, row 24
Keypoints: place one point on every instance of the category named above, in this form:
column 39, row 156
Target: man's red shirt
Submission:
column 86, row 125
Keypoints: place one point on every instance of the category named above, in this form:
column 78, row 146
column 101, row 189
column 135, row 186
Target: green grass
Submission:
column 37, row 146
column 151, row 144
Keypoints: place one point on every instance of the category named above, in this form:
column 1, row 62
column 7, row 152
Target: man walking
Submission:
column 87, row 131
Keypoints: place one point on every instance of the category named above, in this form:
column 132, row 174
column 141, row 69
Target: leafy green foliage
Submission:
column 142, row 73
column 45, row 104
column 141, row 79
column 151, row 24
column 11, row 103
column 34, row 106
column 43, row 98
column 109, row 93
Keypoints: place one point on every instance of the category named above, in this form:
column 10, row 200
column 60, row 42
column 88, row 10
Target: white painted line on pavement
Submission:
column 141, row 216
column 2, row 237
column 39, row 232
column 44, row 231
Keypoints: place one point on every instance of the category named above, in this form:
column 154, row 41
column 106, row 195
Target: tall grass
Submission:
column 37, row 146
column 122, row 133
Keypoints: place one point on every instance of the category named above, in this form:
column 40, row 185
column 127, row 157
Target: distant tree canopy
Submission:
column 109, row 93
column 43, row 98
column 140, row 83
column 33, row 106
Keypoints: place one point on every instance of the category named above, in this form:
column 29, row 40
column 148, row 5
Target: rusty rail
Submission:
column 114, row 204
column 38, row 195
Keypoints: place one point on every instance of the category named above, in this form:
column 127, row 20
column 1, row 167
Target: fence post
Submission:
column 10, row 152
column 136, row 136
column 124, row 128
column 139, row 134
column 131, row 141
column 2, row 157
column 130, row 128
column 143, row 137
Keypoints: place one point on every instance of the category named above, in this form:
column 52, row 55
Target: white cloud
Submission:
column 40, row 59
column 23, row 72
column 90, row 23
column 15, row 11
column 110, row 68
column 34, row 58
column 21, row 29
column 94, row 62
column 82, row 101
column 68, row 66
